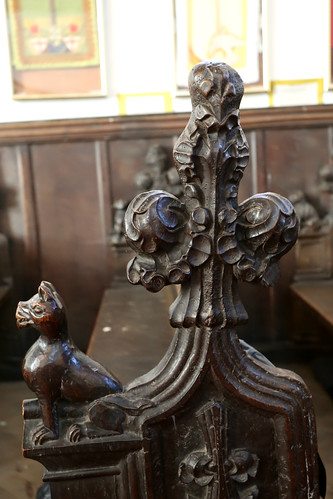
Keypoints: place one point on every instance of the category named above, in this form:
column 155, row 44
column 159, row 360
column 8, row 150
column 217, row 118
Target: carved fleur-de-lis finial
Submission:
column 209, row 241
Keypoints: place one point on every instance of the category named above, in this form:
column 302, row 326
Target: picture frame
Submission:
column 296, row 92
column 330, row 45
column 145, row 103
column 56, row 48
column 232, row 32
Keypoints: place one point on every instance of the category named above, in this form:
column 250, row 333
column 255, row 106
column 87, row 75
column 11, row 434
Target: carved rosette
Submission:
column 221, row 471
column 208, row 241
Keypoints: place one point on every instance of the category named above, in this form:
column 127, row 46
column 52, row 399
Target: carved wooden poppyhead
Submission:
column 208, row 241
column 44, row 311
column 218, row 84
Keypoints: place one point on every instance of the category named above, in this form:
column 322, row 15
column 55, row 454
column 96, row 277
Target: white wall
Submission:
column 139, row 51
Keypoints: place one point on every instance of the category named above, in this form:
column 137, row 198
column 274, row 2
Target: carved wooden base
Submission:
column 208, row 422
column 91, row 465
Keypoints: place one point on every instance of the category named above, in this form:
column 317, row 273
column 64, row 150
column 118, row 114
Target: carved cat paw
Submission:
column 74, row 433
column 42, row 435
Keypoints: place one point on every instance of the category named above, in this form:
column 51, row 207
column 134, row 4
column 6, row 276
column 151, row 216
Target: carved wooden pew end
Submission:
column 211, row 419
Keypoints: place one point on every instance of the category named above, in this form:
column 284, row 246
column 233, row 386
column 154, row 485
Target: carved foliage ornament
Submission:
column 206, row 379
column 206, row 241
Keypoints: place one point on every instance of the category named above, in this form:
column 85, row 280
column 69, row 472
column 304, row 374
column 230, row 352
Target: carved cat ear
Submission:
column 46, row 291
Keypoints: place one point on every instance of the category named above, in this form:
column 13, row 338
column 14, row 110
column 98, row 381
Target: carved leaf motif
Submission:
column 154, row 220
column 157, row 227
column 200, row 250
column 210, row 240
column 266, row 228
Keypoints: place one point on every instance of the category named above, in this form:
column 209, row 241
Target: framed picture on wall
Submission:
column 56, row 48
column 221, row 30
column 330, row 54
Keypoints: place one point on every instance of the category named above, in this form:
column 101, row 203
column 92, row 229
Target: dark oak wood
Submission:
column 124, row 127
column 213, row 418
column 318, row 295
column 4, row 293
column 19, row 218
column 73, row 229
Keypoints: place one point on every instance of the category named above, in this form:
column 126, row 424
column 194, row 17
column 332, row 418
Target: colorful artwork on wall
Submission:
column 55, row 48
column 232, row 32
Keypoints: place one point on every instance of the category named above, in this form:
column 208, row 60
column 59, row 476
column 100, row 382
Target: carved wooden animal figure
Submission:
column 54, row 368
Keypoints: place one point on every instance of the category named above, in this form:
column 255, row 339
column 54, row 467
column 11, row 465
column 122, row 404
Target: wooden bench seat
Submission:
column 136, row 322
column 318, row 295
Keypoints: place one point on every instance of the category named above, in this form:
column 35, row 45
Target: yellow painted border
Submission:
column 319, row 81
column 122, row 100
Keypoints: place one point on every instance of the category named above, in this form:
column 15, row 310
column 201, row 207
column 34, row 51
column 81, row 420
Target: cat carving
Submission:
column 54, row 368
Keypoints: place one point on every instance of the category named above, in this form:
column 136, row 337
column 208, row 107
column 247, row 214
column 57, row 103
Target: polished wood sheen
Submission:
column 214, row 418
column 54, row 368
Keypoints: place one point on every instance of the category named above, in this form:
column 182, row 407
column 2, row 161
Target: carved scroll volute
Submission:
column 209, row 241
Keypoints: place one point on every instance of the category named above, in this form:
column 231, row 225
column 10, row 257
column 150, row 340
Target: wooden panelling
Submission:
column 59, row 180
column 19, row 230
column 293, row 158
column 128, row 159
column 18, row 216
column 164, row 125
column 71, row 214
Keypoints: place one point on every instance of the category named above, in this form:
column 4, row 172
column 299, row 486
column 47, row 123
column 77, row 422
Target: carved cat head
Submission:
column 45, row 312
